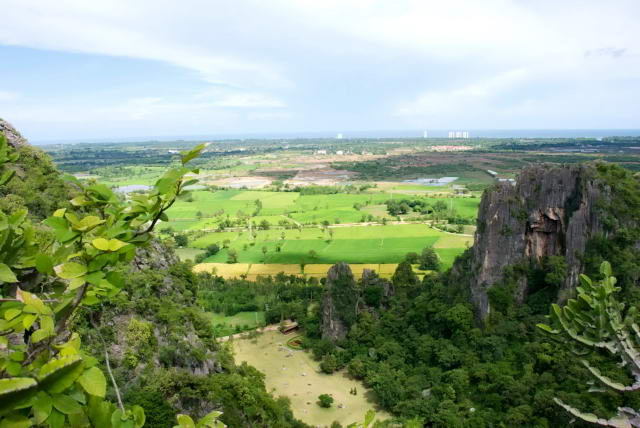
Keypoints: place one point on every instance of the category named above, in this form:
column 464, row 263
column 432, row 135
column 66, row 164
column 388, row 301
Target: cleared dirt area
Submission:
column 294, row 374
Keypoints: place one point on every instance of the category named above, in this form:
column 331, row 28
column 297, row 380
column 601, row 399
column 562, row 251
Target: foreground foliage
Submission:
column 597, row 321
column 46, row 377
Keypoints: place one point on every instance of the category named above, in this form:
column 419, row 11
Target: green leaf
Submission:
column 192, row 154
column 71, row 270
column 13, row 390
column 605, row 269
column 185, row 421
column 59, row 374
column 116, row 244
column 15, row 421
column 59, row 225
column 56, row 419
column 65, row 404
column 40, row 335
column 88, row 223
column 139, row 418
column 101, row 244
column 11, row 313
column 6, row 275
column 28, row 320
column 42, row 407
column 94, row 382
column 44, row 264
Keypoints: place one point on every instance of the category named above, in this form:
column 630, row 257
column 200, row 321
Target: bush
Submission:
column 325, row 400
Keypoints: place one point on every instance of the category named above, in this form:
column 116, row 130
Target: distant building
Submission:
column 339, row 136
column 339, row 152
column 425, row 134
column 458, row 134
column 321, row 152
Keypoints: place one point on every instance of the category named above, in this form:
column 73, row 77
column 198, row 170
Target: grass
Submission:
column 242, row 321
column 188, row 253
column 356, row 244
column 284, row 376
column 307, row 209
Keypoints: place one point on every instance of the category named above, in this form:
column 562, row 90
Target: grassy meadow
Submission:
column 299, row 378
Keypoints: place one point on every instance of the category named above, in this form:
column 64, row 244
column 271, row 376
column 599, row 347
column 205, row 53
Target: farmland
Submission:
column 266, row 227
column 354, row 244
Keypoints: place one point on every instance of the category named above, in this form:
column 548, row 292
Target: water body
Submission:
column 442, row 181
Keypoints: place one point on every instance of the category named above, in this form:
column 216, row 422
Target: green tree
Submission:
column 329, row 364
column 404, row 275
column 232, row 255
column 181, row 239
column 429, row 259
column 325, row 400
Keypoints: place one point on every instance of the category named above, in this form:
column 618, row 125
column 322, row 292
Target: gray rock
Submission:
column 340, row 282
column 13, row 136
column 552, row 210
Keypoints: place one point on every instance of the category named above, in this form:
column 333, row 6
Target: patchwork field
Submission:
column 299, row 378
column 253, row 271
column 354, row 244
column 207, row 208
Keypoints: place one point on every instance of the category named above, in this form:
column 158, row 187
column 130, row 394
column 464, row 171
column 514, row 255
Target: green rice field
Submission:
column 353, row 244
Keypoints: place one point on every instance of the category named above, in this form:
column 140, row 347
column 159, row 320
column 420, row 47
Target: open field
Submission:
column 299, row 378
column 354, row 244
column 207, row 208
column 252, row 271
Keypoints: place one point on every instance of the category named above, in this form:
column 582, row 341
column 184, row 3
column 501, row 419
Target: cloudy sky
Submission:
column 121, row 68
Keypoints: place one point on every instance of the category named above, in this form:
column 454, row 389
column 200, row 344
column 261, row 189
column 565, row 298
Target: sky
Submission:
column 120, row 68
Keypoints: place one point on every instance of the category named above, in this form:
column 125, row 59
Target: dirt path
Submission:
column 272, row 327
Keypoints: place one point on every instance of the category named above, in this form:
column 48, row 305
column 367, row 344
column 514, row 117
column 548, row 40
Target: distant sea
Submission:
column 435, row 133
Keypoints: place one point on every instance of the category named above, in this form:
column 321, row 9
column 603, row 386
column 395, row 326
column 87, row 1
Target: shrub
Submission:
column 325, row 400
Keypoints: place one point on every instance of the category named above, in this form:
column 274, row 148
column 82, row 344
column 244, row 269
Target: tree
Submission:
column 597, row 321
column 325, row 400
column 181, row 239
column 404, row 275
column 45, row 375
column 264, row 252
column 412, row 258
column 232, row 255
column 265, row 225
column 313, row 254
column 429, row 259
column 329, row 364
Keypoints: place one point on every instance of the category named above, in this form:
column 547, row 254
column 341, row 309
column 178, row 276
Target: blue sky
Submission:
column 78, row 69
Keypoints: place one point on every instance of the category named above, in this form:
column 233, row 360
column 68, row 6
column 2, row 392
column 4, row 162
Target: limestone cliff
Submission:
column 339, row 302
column 551, row 210
column 13, row 136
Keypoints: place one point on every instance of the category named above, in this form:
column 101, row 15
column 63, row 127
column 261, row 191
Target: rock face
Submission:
column 13, row 136
column 339, row 301
column 154, row 256
column 552, row 210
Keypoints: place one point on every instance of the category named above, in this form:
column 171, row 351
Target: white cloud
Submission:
column 465, row 60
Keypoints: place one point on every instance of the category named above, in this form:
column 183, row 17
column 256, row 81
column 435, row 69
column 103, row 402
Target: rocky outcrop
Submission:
column 339, row 302
column 13, row 136
column 154, row 256
column 552, row 210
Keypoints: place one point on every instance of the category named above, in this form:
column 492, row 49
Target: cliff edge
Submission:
column 552, row 210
